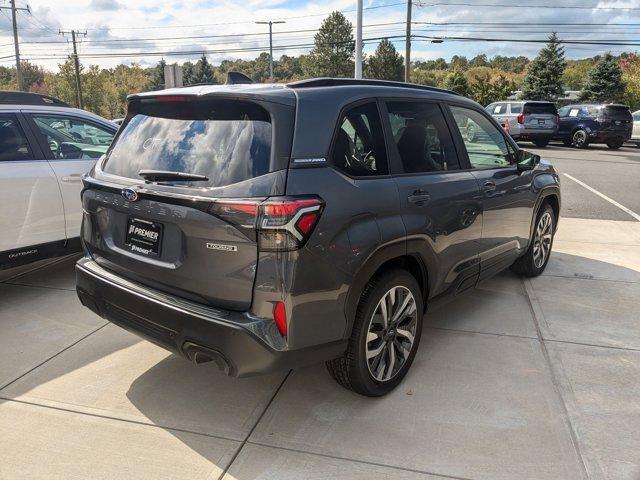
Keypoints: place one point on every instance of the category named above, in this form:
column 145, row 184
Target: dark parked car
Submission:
column 581, row 125
column 270, row 226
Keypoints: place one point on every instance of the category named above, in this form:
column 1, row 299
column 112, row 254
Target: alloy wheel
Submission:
column 580, row 138
column 391, row 333
column 542, row 239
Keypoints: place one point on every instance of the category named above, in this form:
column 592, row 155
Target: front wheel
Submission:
column 535, row 260
column 385, row 336
column 541, row 142
column 615, row 144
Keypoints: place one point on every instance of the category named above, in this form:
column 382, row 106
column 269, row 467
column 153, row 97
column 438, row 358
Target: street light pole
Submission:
column 407, row 52
column 271, row 23
column 358, row 72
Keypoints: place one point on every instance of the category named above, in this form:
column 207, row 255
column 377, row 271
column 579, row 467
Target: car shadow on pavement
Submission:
column 499, row 306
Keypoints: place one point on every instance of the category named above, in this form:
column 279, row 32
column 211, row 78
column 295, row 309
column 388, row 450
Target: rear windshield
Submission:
column 538, row 108
column 226, row 141
column 616, row 111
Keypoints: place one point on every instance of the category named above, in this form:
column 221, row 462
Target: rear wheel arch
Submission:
column 383, row 261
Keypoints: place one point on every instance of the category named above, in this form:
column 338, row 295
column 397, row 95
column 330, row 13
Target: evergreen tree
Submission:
column 332, row 55
column 385, row 63
column 544, row 76
column 157, row 76
column 204, row 72
column 604, row 82
column 456, row 82
column 188, row 73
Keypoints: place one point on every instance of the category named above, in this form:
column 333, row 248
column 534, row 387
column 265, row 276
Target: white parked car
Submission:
column 635, row 134
column 45, row 149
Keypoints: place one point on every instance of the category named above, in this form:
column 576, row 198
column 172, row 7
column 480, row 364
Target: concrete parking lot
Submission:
column 533, row 379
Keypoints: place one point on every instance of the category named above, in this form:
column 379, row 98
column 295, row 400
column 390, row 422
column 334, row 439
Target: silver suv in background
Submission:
column 527, row 120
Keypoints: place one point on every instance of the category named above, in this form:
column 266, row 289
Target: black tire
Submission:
column 615, row 144
column 580, row 139
column 541, row 142
column 527, row 265
column 352, row 369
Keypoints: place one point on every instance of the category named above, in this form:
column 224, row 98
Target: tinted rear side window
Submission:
column 617, row 111
column 537, row 108
column 359, row 148
column 226, row 141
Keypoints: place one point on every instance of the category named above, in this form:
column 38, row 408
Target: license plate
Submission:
column 540, row 121
column 144, row 237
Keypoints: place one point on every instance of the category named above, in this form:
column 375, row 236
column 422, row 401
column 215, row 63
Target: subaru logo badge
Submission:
column 130, row 194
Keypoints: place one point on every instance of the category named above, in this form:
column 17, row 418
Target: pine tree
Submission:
column 604, row 82
column 188, row 73
column 385, row 63
column 157, row 77
column 457, row 82
column 544, row 76
column 334, row 48
column 204, row 71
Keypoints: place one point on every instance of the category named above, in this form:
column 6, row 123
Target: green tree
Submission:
column 157, row 77
column 188, row 73
column 385, row 63
column 332, row 55
column 631, row 77
column 544, row 76
column 32, row 75
column 457, row 82
column 479, row 61
column 604, row 82
column 423, row 76
column 459, row 62
column 204, row 72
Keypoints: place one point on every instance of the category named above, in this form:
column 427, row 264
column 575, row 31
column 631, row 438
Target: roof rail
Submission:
column 29, row 98
column 335, row 82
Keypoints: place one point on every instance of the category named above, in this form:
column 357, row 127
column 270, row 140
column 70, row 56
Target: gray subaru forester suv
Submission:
column 265, row 227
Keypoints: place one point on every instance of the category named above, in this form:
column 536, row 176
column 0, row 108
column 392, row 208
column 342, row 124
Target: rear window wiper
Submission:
column 164, row 175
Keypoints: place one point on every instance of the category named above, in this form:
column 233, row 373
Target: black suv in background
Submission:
column 269, row 226
column 581, row 125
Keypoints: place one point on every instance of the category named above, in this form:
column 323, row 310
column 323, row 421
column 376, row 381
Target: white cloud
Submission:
column 107, row 20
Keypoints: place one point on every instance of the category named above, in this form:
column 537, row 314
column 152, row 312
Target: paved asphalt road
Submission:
column 614, row 173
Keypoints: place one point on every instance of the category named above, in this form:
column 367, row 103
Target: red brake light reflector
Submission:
column 280, row 317
column 521, row 118
column 306, row 222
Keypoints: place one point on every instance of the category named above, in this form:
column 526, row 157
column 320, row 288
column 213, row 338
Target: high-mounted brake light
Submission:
column 521, row 118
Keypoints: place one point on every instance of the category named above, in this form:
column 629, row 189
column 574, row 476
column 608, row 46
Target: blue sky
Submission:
column 139, row 27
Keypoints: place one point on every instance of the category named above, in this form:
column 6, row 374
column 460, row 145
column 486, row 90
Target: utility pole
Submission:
column 407, row 52
column 76, row 62
column 270, row 23
column 14, row 9
column 359, row 41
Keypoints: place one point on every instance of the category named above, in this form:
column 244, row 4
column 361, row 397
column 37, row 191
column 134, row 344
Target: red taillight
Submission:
column 170, row 98
column 285, row 224
column 521, row 118
column 280, row 317
column 281, row 223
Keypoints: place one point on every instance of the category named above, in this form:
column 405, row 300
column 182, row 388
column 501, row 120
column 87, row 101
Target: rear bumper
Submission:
column 532, row 134
column 240, row 345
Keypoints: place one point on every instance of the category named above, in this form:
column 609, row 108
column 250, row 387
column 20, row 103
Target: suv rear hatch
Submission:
column 539, row 116
column 193, row 237
column 615, row 118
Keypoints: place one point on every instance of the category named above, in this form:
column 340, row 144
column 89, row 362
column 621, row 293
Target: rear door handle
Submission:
column 73, row 178
column 489, row 186
column 419, row 197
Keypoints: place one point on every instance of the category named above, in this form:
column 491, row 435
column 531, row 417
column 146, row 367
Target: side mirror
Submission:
column 526, row 160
